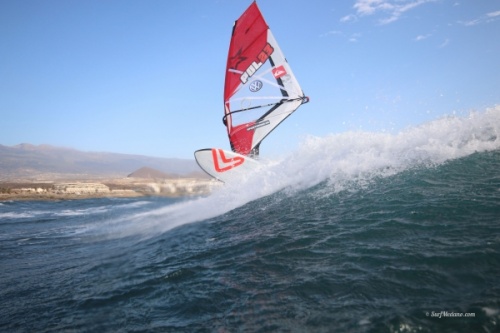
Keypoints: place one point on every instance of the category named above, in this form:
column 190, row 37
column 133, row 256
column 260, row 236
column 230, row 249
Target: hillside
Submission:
column 150, row 173
column 44, row 161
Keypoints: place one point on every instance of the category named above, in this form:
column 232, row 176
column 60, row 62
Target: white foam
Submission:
column 79, row 212
column 14, row 215
column 337, row 158
column 490, row 312
column 134, row 204
column 359, row 156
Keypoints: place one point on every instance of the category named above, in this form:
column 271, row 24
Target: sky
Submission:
column 147, row 77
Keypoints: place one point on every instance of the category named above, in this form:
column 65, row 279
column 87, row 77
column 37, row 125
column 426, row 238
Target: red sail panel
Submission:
column 241, row 139
column 248, row 40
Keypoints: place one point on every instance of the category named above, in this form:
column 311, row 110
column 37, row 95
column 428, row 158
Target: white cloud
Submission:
column 369, row 7
column 392, row 9
column 471, row 22
column 422, row 37
column 445, row 43
column 487, row 18
column 348, row 18
column 494, row 14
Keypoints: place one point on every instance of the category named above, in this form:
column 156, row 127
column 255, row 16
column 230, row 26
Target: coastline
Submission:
column 74, row 189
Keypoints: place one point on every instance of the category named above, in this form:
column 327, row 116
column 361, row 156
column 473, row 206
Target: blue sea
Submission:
column 352, row 232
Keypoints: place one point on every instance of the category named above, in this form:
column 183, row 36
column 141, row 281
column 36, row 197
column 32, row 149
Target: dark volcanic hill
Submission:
column 26, row 160
column 146, row 172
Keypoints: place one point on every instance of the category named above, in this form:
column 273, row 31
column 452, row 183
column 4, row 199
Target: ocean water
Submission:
column 354, row 232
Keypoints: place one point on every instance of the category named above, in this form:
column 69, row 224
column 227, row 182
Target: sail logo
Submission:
column 254, row 66
column 225, row 163
column 279, row 72
column 256, row 86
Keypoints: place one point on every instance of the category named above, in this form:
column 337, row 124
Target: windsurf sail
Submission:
column 260, row 88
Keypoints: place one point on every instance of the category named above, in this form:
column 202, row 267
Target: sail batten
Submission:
column 260, row 88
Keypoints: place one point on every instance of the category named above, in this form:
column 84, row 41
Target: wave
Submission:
column 354, row 155
column 14, row 215
column 31, row 214
column 79, row 212
column 339, row 159
column 359, row 157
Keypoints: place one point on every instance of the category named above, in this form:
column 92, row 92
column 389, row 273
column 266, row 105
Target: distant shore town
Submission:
column 101, row 188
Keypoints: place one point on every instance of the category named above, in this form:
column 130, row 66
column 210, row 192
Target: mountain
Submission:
column 147, row 172
column 27, row 161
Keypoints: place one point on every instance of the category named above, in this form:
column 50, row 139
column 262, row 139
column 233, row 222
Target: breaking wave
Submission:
column 340, row 160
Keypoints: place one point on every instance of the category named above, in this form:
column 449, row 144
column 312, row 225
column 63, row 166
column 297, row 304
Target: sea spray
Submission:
column 361, row 156
column 343, row 160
